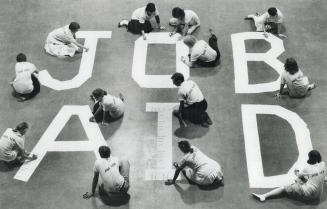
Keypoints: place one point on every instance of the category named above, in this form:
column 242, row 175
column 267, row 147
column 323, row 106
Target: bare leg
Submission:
column 274, row 192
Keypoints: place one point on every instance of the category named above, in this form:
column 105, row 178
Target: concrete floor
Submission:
column 62, row 178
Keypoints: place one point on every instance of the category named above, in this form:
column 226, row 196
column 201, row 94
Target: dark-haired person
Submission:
column 26, row 84
column 12, row 145
column 62, row 41
column 193, row 105
column 140, row 21
column 270, row 21
column 297, row 84
column 201, row 53
column 309, row 183
column 106, row 107
column 184, row 21
column 197, row 167
column 114, row 174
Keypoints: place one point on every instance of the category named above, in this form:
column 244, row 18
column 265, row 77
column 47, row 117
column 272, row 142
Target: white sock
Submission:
column 124, row 23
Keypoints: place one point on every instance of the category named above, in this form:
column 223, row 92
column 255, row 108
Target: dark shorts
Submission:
column 134, row 26
column 194, row 113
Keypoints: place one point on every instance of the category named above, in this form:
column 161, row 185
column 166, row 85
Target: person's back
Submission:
column 8, row 142
column 23, row 82
column 313, row 188
column 202, row 51
column 297, row 84
column 109, row 172
column 191, row 18
column 114, row 105
column 190, row 92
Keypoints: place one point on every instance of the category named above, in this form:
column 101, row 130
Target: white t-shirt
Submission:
column 297, row 84
column 189, row 92
column 141, row 15
column 108, row 168
column 204, row 169
column 114, row 105
column 8, row 142
column 23, row 83
column 265, row 18
column 191, row 18
column 61, row 35
column 202, row 51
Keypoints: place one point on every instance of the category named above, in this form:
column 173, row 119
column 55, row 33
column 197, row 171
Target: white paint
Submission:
column 139, row 61
column 163, row 153
column 241, row 57
column 47, row 142
column 257, row 179
column 86, row 66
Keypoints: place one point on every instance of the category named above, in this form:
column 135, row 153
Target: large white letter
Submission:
column 162, row 169
column 139, row 61
column 241, row 58
column 252, row 144
column 47, row 142
column 86, row 66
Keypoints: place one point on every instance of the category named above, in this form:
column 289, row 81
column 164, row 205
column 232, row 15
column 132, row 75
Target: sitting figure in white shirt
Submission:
column 297, row 84
column 269, row 22
column 185, row 22
column 140, row 20
column 196, row 167
column 202, row 53
column 12, row 145
column 26, row 84
column 62, row 41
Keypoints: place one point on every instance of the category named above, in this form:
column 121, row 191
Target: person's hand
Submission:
column 34, row 157
column 296, row 172
column 92, row 119
column 104, row 123
column 183, row 59
column 268, row 27
column 144, row 37
column 86, row 49
column 278, row 95
column 162, row 28
column 175, row 164
column 88, row 195
column 169, row 182
column 265, row 34
column 171, row 34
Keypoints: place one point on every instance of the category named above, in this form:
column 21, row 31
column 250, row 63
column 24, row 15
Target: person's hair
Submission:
column 21, row 127
column 178, row 13
column 21, row 57
column 185, row 146
column 150, row 7
column 189, row 40
column 272, row 11
column 74, row 26
column 291, row 65
column 177, row 77
column 314, row 157
column 104, row 151
column 97, row 93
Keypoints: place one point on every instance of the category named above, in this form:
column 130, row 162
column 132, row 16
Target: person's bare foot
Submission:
column 121, row 96
column 312, row 86
column 259, row 197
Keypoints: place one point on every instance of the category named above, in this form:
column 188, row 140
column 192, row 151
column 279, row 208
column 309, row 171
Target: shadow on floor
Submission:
column 199, row 71
column 6, row 167
column 114, row 200
column 192, row 131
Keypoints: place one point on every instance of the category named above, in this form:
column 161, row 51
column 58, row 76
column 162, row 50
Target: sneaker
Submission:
column 21, row 99
column 259, row 197
column 312, row 86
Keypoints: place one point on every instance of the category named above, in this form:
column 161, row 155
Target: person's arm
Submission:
column 180, row 118
column 87, row 195
column 92, row 119
column 177, row 171
column 280, row 92
column 143, row 35
column 104, row 123
column 79, row 45
column 187, row 62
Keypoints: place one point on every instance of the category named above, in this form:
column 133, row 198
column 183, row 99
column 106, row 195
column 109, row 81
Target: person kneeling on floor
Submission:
column 62, row 41
column 197, row 168
column 269, row 22
column 113, row 172
column 309, row 184
column 12, row 148
column 140, row 21
column 106, row 107
column 184, row 22
column 297, row 84
column 201, row 53
column 26, row 84
column 193, row 105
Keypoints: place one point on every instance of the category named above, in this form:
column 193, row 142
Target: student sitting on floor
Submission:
column 309, row 184
column 140, row 21
column 197, row 168
column 201, row 53
column 106, row 107
column 184, row 21
column 270, row 21
column 62, row 41
column 12, row 148
column 25, row 85
column 193, row 105
column 297, row 84
column 113, row 172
